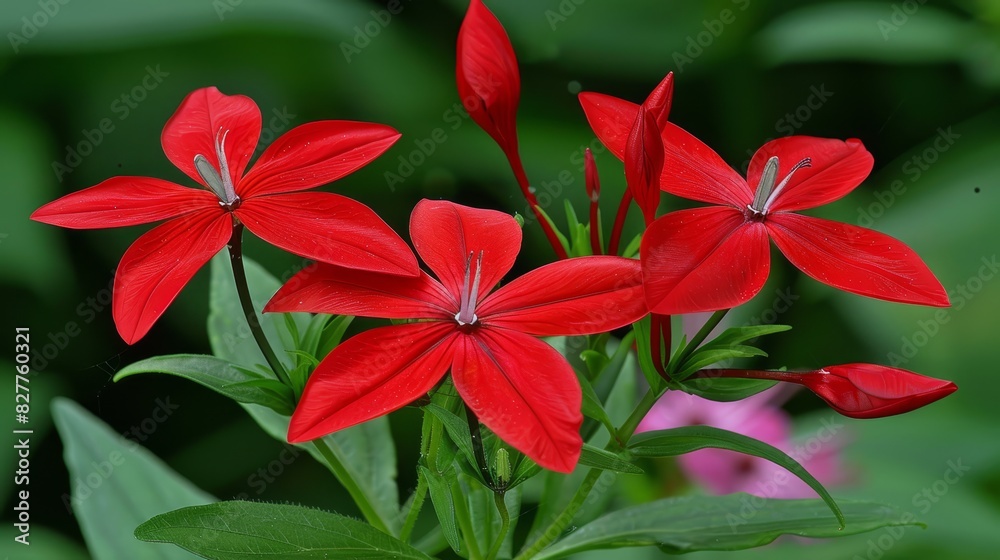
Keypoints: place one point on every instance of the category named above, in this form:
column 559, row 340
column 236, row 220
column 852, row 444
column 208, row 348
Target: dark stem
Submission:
column 659, row 334
column 616, row 230
column 243, row 290
column 477, row 446
column 770, row 375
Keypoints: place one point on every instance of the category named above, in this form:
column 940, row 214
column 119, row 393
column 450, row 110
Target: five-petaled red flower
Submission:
column 518, row 386
column 718, row 257
column 211, row 138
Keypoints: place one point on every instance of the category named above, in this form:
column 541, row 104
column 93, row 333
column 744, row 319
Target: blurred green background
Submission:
column 917, row 81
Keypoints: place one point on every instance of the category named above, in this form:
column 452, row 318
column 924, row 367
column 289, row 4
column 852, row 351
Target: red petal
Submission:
column 837, row 168
column 371, row 375
column 855, row 259
column 445, row 234
column 611, row 119
column 873, row 391
column 489, row 83
column 124, row 201
column 524, row 391
column 660, row 99
column 322, row 288
column 703, row 259
column 693, row 170
column 585, row 295
column 204, row 115
column 644, row 163
column 315, row 154
column 158, row 265
column 329, row 228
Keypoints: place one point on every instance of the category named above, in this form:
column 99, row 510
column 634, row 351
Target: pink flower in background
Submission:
column 724, row 472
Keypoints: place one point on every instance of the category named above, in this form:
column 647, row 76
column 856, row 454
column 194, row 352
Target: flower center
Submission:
column 218, row 180
column 469, row 293
column 767, row 191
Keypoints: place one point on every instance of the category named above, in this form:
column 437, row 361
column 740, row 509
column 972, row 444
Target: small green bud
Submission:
column 519, row 219
column 502, row 466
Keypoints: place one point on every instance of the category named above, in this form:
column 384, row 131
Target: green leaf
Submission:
column 592, row 407
column 228, row 332
column 678, row 441
column 706, row 356
column 457, row 428
column 738, row 335
column 644, row 352
column 733, row 522
column 245, row 530
column 602, row 459
column 117, row 484
column 439, row 487
column 724, row 389
column 240, row 384
column 559, row 234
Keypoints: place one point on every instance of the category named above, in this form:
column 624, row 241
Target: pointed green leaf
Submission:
column 724, row 389
column 457, row 428
column 117, row 484
column 439, row 487
column 733, row 522
column 253, row 530
column 240, row 384
column 602, row 459
column 678, row 441
column 706, row 356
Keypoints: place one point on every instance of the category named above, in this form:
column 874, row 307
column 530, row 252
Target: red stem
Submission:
column 616, row 231
column 787, row 376
column 522, row 181
column 656, row 344
column 595, row 229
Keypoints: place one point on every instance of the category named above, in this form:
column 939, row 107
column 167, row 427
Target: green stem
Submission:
column 243, row 290
column 504, row 524
column 697, row 339
column 556, row 528
column 465, row 522
column 357, row 494
column 640, row 412
column 419, row 495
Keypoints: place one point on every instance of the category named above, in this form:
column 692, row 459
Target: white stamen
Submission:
column 470, row 293
column 767, row 192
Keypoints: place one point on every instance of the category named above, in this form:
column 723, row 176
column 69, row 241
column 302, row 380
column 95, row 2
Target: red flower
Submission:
column 517, row 385
column 718, row 256
column 858, row 390
column 211, row 138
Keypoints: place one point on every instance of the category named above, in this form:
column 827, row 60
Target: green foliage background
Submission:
column 898, row 75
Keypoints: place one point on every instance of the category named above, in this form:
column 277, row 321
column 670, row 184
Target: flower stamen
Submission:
column 767, row 192
column 220, row 183
column 470, row 292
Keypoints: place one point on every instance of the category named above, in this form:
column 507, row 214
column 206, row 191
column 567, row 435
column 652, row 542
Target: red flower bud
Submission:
column 857, row 390
column 873, row 391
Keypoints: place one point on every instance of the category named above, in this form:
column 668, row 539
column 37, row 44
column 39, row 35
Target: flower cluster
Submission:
column 459, row 318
